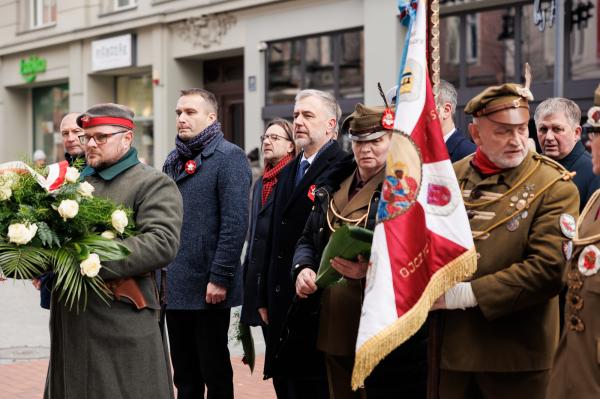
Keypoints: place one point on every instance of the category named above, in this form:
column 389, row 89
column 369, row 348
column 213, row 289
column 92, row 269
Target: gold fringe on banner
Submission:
column 379, row 346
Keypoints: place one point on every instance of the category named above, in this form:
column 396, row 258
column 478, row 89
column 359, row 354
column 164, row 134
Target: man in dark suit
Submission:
column 457, row 143
column 558, row 131
column 316, row 116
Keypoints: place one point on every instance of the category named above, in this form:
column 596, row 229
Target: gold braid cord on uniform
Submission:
column 483, row 234
column 355, row 222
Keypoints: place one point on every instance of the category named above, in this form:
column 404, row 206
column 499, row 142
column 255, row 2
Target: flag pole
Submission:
column 434, row 45
column 434, row 345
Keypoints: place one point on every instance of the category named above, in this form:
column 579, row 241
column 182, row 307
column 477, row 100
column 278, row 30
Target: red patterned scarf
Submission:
column 271, row 175
column 483, row 164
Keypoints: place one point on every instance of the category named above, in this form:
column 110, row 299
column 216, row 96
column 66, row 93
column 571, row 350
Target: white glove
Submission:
column 460, row 296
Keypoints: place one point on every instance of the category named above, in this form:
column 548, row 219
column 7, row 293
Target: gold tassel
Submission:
column 379, row 346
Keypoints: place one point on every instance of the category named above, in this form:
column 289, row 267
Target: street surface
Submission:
column 25, row 347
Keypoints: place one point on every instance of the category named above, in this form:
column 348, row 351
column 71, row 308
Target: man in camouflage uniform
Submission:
column 501, row 327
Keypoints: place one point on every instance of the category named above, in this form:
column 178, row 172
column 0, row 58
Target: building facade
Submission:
column 59, row 56
column 487, row 42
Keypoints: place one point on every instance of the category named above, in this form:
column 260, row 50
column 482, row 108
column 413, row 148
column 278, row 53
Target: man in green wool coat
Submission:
column 116, row 350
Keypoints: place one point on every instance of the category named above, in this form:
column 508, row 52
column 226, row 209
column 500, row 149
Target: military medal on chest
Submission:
column 518, row 207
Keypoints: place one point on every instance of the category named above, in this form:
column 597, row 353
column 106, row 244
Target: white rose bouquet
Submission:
column 50, row 220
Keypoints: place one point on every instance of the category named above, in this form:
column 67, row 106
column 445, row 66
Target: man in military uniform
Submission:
column 577, row 361
column 501, row 327
column 115, row 350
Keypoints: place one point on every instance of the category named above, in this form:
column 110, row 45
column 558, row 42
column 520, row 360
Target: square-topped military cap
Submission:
column 107, row 114
column 507, row 103
column 365, row 123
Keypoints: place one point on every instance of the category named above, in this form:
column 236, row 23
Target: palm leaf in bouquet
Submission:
column 346, row 242
column 22, row 262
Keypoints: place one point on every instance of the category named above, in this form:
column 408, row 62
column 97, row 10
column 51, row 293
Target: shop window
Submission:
column 43, row 12
column 450, row 49
column 50, row 104
column 332, row 62
column 472, row 44
column 585, row 42
column 284, row 71
column 136, row 93
column 490, row 56
column 537, row 48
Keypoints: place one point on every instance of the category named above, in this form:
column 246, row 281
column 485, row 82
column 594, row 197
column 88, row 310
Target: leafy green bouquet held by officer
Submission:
column 50, row 220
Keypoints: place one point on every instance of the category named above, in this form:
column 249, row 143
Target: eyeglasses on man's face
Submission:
column 99, row 138
column 273, row 137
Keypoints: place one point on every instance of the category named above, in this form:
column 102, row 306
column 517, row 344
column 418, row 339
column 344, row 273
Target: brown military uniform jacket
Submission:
column 341, row 303
column 514, row 216
column 576, row 371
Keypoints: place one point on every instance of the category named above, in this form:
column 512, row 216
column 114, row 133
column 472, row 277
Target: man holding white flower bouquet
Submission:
column 74, row 153
column 116, row 350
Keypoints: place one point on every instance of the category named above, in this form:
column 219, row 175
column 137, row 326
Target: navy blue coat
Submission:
column 291, row 207
column 580, row 161
column 215, row 223
column 257, row 252
column 459, row 146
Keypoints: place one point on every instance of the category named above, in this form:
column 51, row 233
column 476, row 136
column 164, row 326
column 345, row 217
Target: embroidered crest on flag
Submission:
column 403, row 178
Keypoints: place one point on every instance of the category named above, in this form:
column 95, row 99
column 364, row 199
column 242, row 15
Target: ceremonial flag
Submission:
column 422, row 244
column 51, row 183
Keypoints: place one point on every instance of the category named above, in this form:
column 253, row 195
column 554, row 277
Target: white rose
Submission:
column 72, row 175
column 119, row 220
column 5, row 193
column 8, row 179
column 21, row 234
column 85, row 189
column 90, row 266
column 68, row 209
column 109, row 235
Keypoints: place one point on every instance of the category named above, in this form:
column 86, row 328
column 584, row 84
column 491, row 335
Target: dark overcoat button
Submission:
column 476, row 194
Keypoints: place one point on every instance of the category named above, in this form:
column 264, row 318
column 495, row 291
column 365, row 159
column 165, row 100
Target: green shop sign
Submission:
column 31, row 67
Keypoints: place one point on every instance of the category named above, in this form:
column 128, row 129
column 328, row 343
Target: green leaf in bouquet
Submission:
column 346, row 242
column 47, row 236
column 70, row 285
column 108, row 250
column 245, row 337
column 23, row 262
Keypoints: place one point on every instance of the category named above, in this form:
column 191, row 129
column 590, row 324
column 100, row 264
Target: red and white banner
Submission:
column 422, row 245
column 54, row 180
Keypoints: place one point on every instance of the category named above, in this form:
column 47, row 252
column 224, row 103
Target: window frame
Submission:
column 36, row 8
column 117, row 7
column 270, row 111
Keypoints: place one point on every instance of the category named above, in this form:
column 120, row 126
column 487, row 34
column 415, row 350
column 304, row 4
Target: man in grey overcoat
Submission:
column 116, row 350
column 205, row 279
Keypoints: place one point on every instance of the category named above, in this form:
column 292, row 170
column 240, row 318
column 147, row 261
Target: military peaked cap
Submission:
column 107, row 114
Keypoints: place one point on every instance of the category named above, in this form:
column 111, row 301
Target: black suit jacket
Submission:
column 459, row 146
column 291, row 207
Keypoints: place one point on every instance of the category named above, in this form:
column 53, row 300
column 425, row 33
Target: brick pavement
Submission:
column 25, row 380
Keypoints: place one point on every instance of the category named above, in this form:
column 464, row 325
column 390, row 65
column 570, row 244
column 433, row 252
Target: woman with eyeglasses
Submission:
column 278, row 148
